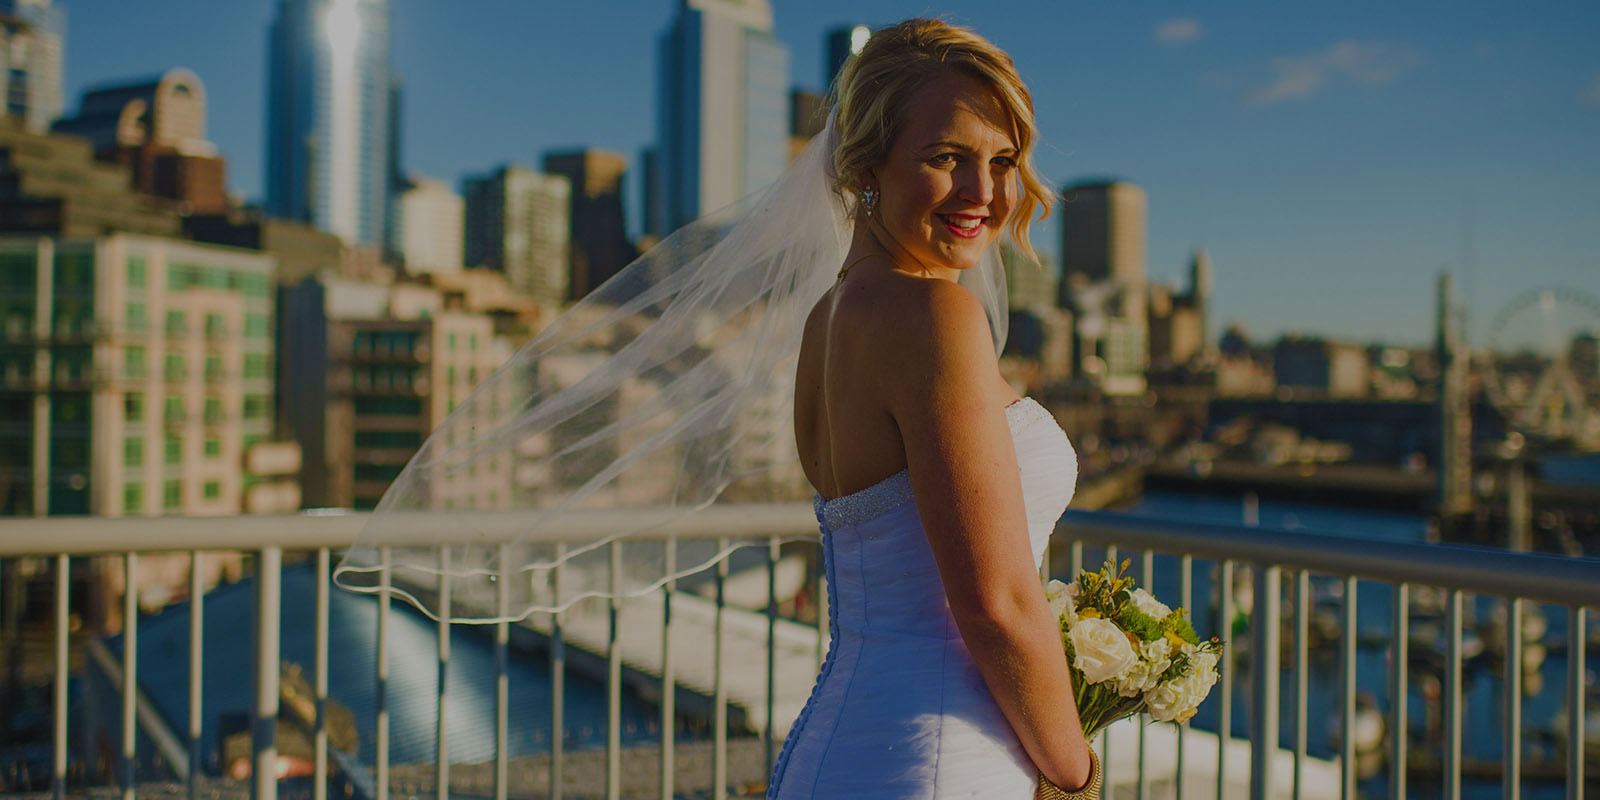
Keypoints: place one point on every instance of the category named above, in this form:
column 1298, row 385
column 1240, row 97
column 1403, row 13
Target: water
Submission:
column 1573, row 470
column 413, row 684
column 1374, row 626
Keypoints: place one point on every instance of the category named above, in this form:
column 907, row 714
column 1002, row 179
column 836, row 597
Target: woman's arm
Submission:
column 946, row 395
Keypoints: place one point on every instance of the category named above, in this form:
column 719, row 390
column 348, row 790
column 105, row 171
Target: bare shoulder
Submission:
column 936, row 333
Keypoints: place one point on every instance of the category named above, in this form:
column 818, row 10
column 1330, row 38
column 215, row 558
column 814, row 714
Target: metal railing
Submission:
column 1273, row 556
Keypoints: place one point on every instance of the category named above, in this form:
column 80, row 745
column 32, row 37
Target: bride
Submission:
column 936, row 486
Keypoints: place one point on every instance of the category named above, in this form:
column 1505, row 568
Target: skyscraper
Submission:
column 722, row 106
column 599, row 236
column 516, row 223
column 429, row 230
column 1103, row 258
column 328, row 122
column 32, row 38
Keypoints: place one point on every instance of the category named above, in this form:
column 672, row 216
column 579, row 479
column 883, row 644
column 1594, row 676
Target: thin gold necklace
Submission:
column 856, row 261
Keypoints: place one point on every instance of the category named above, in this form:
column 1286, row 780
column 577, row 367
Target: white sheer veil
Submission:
column 668, row 388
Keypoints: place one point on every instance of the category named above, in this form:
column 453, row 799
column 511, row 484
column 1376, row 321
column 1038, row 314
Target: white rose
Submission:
column 1147, row 602
column 1154, row 660
column 1103, row 651
column 1176, row 699
column 1060, row 596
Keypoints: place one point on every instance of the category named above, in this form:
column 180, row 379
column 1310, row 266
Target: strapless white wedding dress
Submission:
column 899, row 709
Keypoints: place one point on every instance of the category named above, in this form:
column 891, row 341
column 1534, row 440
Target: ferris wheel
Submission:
column 1541, row 366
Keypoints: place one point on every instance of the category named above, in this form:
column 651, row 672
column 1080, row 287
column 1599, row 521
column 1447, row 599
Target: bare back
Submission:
column 844, row 428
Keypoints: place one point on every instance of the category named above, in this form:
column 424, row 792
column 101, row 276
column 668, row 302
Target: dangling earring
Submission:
column 869, row 201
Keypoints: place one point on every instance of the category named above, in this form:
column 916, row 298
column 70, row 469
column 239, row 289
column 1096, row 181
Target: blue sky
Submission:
column 1329, row 156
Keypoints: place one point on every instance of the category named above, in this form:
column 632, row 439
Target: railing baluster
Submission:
column 1147, row 572
column 381, row 735
column 1511, row 689
column 1577, row 635
column 264, row 731
column 319, row 786
column 58, row 778
column 1347, row 693
column 669, row 684
column 1302, row 674
column 719, row 691
column 1225, row 680
column 130, row 667
column 614, row 680
column 1398, row 689
column 502, row 670
column 558, row 679
column 196, row 669
column 1185, row 600
column 1265, row 618
column 1075, row 560
column 441, row 767
column 1454, row 698
column 772, row 647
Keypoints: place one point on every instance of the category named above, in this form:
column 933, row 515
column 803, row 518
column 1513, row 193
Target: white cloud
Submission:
column 1591, row 96
column 1361, row 63
column 1177, row 31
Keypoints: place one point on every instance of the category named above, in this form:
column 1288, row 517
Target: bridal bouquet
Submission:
column 1128, row 651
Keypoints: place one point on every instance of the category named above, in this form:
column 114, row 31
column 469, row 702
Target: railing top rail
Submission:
column 1539, row 577
column 339, row 529
column 1481, row 570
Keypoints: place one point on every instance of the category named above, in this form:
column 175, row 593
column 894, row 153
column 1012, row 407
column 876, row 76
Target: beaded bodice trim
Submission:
column 891, row 492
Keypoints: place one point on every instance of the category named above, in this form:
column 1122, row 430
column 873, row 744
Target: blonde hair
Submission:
column 871, row 93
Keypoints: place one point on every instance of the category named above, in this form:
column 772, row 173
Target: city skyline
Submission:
column 1331, row 163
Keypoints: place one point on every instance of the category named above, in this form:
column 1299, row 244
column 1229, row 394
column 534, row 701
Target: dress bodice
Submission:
column 899, row 709
column 887, row 580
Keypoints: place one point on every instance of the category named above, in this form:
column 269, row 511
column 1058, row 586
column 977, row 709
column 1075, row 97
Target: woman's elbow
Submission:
column 998, row 610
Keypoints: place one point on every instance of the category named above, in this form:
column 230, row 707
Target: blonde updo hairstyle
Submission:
column 872, row 90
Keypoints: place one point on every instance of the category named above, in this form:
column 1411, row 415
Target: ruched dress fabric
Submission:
column 899, row 709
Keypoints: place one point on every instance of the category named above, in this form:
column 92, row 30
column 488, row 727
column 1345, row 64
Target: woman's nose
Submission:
column 977, row 186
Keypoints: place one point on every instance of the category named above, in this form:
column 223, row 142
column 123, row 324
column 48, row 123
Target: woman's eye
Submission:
column 1005, row 161
column 943, row 159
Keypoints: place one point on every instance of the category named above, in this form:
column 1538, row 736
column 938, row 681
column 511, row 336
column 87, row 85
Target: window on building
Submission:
column 256, row 327
column 213, row 447
column 213, row 410
column 175, row 326
column 174, row 367
column 472, row 342
column 174, row 450
column 137, row 319
column 132, row 498
column 133, row 406
column 173, row 410
column 255, row 406
column 452, row 341
column 132, row 452
column 136, row 275
column 133, row 361
column 171, row 494
column 214, row 326
column 213, row 490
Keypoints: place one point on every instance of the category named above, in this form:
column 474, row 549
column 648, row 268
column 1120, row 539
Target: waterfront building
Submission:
column 516, row 223
column 723, row 121
column 297, row 249
column 56, row 187
column 157, row 127
column 1311, row 367
column 32, row 45
column 1178, row 317
column 431, row 219
column 137, row 377
column 598, row 231
column 328, row 122
column 1103, row 281
column 372, row 370
column 808, row 115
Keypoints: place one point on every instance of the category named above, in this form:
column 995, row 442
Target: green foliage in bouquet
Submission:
column 1129, row 652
